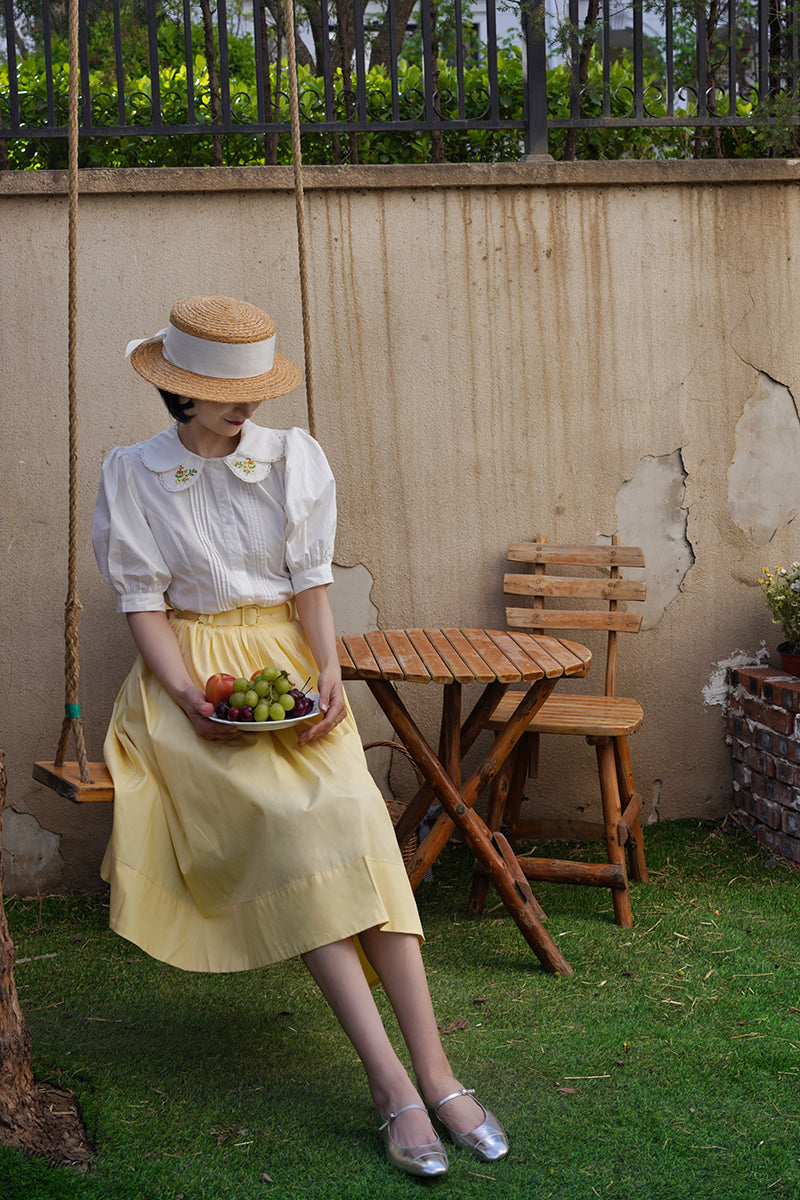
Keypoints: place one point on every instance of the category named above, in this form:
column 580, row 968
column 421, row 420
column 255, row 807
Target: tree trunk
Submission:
column 590, row 24
column 379, row 50
column 213, row 79
column 33, row 1116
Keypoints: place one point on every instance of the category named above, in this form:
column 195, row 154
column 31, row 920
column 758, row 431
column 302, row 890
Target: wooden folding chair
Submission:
column 604, row 720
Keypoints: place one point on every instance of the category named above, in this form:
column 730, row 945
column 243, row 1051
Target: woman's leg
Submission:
column 337, row 970
column 398, row 962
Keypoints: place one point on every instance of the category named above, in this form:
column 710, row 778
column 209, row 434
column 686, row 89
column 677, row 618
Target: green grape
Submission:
column 262, row 688
column 241, row 685
column 261, row 712
column 270, row 673
column 286, row 702
column 276, row 712
column 282, row 685
column 238, row 700
column 251, row 698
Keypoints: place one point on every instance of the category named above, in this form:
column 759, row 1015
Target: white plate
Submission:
column 271, row 726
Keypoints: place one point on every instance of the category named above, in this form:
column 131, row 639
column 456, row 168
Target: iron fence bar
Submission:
column 155, row 78
column 83, row 69
column 393, row 70
column 638, row 60
column 670, row 42
column 534, row 90
column 491, row 40
column 763, row 50
column 119, row 69
column 606, row 58
column 327, row 73
column 427, row 60
column 14, row 114
column 188, row 54
column 462, row 111
column 360, row 48
column 732, row 58
column 224, row 75
column 702, row 79
column 48, row 63
column 574, row 66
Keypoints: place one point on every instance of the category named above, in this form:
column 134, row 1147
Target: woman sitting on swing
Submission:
column 232, row 851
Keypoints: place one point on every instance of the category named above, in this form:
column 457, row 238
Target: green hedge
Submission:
column 379, row 146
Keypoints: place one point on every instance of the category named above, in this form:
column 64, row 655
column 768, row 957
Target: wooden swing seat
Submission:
column 66, row 781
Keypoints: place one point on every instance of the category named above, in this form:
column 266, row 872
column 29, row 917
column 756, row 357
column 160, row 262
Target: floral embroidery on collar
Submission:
column 185, row 474
column 244, row 466
column 178, row 469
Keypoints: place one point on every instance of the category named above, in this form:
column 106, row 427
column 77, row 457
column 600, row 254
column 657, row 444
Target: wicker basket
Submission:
column 396, row 807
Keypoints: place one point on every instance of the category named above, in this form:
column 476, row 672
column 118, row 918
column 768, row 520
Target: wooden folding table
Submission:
column 452, row 658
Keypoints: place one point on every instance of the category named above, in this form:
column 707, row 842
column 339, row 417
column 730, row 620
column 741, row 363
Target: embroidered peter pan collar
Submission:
column 177, row 468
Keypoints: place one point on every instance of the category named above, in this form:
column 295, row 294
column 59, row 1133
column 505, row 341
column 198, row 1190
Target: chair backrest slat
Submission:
column 557, row 618
column 540, row 588
column 583, row 589
column 586, row 556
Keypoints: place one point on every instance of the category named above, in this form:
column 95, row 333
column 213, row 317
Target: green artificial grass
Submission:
column 666, row 1067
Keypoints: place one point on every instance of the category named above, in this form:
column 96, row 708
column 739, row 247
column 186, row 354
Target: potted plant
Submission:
column 782, row 593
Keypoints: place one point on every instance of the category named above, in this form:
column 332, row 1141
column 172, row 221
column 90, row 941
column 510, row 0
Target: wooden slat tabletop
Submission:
column 434, row 663
column 414, row 669
column 390, row 667
column 364, row 664
column 458, row 655
column 530, row 661
column 481, row 672
column 460, row 671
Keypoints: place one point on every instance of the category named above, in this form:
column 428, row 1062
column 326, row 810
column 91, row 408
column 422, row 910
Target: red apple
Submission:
column 219, row 688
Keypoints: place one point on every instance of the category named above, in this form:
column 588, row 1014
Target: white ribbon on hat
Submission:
column 217, row 360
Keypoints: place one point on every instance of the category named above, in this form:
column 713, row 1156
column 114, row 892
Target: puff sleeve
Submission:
column 310, row 507
column 124, row 546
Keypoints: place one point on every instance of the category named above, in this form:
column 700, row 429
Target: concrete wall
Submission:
column 571, row 348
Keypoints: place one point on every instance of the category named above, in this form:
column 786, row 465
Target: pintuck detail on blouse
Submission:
column 208, row 535
column 178, row 469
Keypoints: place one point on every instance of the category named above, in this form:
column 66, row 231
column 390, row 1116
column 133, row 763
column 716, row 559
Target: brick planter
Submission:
column 764, row 732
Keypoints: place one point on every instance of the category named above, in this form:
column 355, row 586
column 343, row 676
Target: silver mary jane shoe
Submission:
column 487, row 1141
column 428, row 1160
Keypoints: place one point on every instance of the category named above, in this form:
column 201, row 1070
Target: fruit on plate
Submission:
column 268, row 695
column 218, row 688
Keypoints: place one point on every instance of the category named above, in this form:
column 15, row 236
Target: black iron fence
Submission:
column 401, row 80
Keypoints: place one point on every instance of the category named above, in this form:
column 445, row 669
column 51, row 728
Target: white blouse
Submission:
column 210, row 534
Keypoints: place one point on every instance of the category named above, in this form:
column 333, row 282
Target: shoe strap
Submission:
column 454, row 1096
column 406, row 1107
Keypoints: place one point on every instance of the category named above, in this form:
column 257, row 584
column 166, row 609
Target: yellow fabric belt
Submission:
column 248, row 614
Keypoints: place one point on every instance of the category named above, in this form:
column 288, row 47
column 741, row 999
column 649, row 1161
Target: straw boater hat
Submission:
column 216, row 348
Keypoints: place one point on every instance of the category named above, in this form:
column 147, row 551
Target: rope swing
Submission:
column 81, row 780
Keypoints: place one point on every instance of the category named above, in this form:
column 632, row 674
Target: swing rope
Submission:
column 72, row 722
column 72, row 711
column 294, row 108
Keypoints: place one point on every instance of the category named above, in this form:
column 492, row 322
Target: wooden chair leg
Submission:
column 612, row 812
column 637, row 866
column 498, row 798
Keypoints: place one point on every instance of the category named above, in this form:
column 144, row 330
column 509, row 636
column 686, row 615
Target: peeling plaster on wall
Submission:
column 34, row 865
column 354, row 612
column 716, row 690
column 650, row 514
column 764, row 476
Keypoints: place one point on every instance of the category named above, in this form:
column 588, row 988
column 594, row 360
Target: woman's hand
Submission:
column 331, row 703
column 316, row 617
column 199, row 710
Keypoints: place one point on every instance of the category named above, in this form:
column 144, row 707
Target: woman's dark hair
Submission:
column 177, row 406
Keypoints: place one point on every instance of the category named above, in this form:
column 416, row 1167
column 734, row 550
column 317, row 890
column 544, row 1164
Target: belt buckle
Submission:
column 250, row 614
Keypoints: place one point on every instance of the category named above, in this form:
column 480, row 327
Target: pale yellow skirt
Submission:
column 230, row 855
